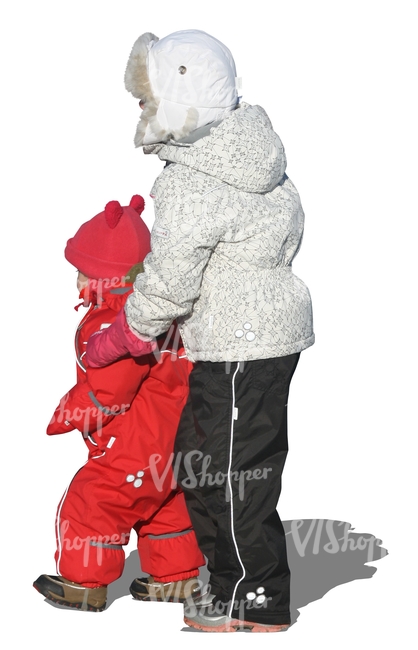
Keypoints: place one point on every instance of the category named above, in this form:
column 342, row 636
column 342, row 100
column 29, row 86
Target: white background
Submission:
column 338, row 80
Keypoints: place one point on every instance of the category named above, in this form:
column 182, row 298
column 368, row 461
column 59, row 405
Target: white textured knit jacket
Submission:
column 228, row 223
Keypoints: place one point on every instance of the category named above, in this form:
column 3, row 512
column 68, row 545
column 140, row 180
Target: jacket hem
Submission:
column 250, row 355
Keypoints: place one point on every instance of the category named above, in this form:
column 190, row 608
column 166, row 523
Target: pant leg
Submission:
column 191, row 444
column 240, row 431
column 90, row 536
column 167, row 544
column 127, row 479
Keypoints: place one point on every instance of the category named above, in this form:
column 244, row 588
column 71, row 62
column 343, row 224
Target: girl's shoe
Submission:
column 58, row 590
column 168, row 592
column 205, row 617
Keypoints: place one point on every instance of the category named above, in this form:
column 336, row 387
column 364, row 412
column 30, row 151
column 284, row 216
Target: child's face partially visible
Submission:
column 82, row 281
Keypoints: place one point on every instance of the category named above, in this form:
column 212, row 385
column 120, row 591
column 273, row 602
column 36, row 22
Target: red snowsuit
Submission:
column 128, row 413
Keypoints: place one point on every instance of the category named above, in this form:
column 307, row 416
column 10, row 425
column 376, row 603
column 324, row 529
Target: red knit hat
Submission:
column 113, row 241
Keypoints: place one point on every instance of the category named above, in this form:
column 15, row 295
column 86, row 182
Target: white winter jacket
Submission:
column 228, row 223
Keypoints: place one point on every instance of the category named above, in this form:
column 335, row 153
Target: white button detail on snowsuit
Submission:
column 228, row 224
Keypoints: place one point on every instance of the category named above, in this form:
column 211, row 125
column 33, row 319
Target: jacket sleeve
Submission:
column 105, row 394
column 186, row 230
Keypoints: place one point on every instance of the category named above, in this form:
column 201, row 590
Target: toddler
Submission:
column 128, row 413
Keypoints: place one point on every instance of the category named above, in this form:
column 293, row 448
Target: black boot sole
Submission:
column 42, row 586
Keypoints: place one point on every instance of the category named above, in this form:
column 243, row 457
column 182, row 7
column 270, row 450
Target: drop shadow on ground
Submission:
column 322, row 554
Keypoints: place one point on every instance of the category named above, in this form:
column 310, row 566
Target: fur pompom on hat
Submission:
column 185, row 80
column 113, row 241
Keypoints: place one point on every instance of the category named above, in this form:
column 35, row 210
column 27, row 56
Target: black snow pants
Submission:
column 230, row 451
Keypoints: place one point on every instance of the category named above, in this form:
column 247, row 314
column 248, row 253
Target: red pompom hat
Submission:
column 113, row 241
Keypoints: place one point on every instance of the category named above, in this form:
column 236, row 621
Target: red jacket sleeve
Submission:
column 102, row 394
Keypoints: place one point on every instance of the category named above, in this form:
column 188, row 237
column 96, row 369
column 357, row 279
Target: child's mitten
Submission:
column 116, row 341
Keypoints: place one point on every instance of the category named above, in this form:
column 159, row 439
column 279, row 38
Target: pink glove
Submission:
column 117, row 340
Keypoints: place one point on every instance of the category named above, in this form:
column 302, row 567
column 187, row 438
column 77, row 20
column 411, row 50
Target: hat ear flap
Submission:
column 137, row 203
column 136, row 76
column 113, row 213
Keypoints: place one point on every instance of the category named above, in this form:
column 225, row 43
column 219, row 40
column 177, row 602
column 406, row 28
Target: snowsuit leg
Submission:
column 167, row 545
column 233, row 443
column 89, row 541
column 108, row 497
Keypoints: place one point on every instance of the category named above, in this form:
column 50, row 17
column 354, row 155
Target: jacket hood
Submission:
column 242, row 151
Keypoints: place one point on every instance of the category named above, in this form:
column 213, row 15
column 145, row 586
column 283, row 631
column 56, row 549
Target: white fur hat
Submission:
column 186, row 80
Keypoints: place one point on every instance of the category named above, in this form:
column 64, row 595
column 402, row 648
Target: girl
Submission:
column 228, row 224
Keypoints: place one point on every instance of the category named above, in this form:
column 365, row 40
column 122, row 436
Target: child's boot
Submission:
column 70, row 594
